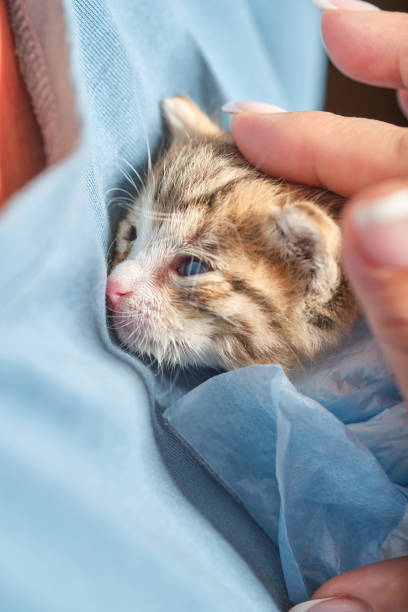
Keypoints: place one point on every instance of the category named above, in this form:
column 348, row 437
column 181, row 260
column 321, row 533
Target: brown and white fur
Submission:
column 272, row 288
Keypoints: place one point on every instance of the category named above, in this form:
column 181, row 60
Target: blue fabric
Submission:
column 101, row 507
column 322, row 466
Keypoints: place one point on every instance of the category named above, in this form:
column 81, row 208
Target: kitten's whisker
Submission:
column 150, row 214
column 129, row 179
column 122, row 190
column 118, row 325
column 135, row 171
column 122, row 198
column 121, row 203
column 121, row 326
column 146, row 138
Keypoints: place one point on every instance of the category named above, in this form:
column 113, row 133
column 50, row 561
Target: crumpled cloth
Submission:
column 101, row 508
column 318, row 458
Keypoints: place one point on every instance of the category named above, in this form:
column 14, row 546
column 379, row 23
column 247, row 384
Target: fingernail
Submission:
column 252, row 107
column 382, row 229
column 331, row 604
column 350, row 5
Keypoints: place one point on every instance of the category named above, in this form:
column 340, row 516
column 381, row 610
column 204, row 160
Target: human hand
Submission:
column 366, row 161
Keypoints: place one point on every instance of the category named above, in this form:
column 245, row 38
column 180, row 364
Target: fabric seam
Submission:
column 37, row 79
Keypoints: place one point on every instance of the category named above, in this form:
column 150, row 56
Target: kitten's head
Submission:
column 217, row 264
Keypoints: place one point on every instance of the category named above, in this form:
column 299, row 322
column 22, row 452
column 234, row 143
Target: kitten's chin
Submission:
column 137, row 335
column 177, row 354
column 142, row 334
column 180, row 356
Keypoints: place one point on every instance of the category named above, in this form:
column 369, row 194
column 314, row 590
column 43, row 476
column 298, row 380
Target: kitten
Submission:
column 217, row 264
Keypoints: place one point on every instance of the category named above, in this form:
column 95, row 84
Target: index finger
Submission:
column 343, row 154
column 371, row 47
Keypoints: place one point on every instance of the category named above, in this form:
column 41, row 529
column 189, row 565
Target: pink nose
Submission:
column 114, row 291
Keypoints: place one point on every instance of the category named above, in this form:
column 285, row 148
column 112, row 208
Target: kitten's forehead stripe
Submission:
column 197, row 173
column 221, row 192
column 259, row 298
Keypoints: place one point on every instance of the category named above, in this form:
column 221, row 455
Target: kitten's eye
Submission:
column 191, row 266
column 132, row 234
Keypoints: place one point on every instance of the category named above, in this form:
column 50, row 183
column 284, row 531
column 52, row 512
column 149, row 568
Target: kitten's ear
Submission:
column 185, row 120
column 309, row 242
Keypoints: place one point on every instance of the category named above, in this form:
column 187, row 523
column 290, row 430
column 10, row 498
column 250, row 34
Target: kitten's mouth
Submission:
column 136, row 328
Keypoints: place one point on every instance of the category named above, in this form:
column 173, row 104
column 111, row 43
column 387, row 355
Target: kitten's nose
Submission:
column 115, row 290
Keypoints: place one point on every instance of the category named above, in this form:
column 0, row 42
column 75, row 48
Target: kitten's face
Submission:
column 218, row 265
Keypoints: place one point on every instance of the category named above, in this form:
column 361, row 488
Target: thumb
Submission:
column 375, row 251
column 380, row 587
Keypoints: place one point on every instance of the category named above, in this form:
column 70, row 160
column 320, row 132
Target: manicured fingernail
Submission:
column 252, row 107
column 350, row 5
column 331, row 604
column 382, row 229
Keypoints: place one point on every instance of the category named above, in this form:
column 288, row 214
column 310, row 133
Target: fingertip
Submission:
column 382, row 208
column 279, row 144
column 380, row 586
column 367, row 45
column 375, row 235
column 342, row 154
column 273, row 143
column 337, row 28
column 253, row 135
column 402, row 99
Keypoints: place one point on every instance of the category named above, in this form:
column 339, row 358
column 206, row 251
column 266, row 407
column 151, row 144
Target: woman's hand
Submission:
column 361, row 158
column 366, row 161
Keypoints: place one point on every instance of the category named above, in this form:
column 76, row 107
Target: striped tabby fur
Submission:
column 274, row 292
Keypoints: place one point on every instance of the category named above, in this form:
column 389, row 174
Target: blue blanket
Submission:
column 101, row 506
column 320, row 463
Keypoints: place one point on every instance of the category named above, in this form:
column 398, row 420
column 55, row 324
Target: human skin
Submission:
column 21, row 148
column 367, row 161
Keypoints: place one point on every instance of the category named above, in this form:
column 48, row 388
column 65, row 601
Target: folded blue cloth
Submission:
column 322, row 466
column 101, row 508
